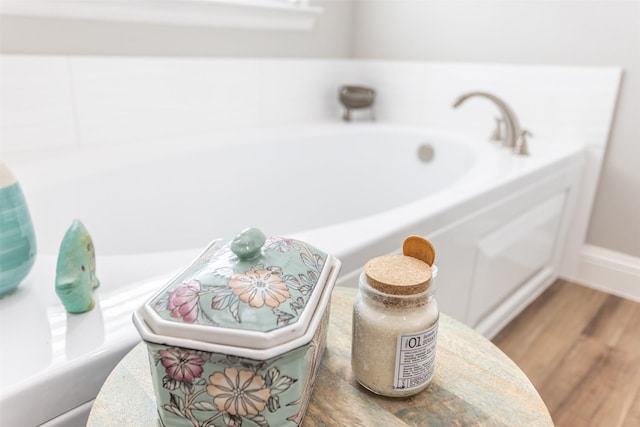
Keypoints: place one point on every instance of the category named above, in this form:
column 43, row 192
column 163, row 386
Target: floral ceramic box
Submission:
column 237, row 337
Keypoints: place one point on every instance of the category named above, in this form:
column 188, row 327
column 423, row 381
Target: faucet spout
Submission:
column 512, row 127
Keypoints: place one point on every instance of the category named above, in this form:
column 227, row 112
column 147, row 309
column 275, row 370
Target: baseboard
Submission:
column 609, row 271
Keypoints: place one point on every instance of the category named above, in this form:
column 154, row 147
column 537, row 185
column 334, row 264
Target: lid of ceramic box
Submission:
column 253, row 292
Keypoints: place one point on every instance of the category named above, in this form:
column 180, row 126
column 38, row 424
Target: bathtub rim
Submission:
column 37, row 172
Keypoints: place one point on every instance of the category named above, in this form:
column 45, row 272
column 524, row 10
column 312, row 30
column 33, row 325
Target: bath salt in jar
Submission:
column 395, row 326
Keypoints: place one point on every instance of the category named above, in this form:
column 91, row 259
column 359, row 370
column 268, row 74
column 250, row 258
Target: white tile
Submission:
column 36, row 103
column 299, row 91
column 572, row 104
column 128, row 99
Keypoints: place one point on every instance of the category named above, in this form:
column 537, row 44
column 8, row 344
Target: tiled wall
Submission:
column 37, row 103
column 50, row 102
column 559, row 104
column 58, row 101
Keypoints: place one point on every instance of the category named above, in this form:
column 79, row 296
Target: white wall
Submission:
column 532, row 32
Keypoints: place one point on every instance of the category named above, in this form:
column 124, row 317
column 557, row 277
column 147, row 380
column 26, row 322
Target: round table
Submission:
column 475, row 384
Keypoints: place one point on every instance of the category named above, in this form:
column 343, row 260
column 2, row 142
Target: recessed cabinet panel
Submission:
column 511, row 254
column 453, row 281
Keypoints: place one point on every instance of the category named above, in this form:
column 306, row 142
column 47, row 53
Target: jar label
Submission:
column 415, row 358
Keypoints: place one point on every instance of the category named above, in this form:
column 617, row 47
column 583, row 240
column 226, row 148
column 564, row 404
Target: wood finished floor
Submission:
column 581, row 350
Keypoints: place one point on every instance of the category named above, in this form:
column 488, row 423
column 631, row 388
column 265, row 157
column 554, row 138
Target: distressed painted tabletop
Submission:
column 475, row 384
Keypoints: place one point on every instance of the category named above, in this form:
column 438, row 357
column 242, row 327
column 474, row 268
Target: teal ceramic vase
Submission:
column 17, row 238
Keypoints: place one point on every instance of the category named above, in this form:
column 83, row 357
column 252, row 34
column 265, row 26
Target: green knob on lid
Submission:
column 248, row 243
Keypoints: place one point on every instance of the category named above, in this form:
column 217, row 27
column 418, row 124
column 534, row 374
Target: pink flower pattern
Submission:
column 183, row 301
column 181, row 365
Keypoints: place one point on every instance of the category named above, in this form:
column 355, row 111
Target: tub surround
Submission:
column 69, row 102
column 52, row 102
column 57, row 102
column 136, row 111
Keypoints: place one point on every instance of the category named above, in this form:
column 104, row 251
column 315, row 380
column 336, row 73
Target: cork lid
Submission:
column 398, row 274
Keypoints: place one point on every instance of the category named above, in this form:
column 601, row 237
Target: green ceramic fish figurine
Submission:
column 76, row 271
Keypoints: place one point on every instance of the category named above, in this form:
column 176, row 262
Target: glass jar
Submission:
column 395, row 326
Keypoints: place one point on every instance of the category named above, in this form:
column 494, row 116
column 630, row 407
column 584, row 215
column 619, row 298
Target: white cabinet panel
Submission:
column 513, row 253
column 454, row 255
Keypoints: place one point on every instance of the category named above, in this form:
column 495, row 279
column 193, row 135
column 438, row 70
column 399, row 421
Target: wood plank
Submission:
column 603, row 394
column 630, row 342
column 581, row 349
column 331, row 397
column 608, row 324
column 632, row 418
column 547, row 329
column 630, row 338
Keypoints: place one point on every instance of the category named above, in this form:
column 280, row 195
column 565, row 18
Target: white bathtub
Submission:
column 498, row 223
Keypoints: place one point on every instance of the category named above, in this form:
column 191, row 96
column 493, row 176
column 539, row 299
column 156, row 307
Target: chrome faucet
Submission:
column 514, row 137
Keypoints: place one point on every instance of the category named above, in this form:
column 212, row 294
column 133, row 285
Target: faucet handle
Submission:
column 497, row 132
column 521, row 148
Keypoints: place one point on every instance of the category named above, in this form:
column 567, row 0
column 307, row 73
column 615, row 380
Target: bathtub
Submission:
column 498, row 223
